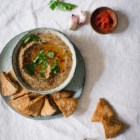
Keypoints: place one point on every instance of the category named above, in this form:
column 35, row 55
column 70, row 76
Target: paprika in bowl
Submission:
column 103, row 20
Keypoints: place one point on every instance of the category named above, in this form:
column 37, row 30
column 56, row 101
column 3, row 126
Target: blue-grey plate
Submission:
column 76, row 84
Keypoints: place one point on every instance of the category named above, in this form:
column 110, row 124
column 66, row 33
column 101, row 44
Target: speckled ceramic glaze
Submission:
column 76, row 84
column 65, row 39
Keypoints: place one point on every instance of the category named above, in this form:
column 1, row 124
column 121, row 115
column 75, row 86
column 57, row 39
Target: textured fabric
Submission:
column 112, row 69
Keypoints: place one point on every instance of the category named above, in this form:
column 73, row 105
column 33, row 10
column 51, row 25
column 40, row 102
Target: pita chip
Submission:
column 61, row 94
column 12, row 75
column 111, row 127
column 19, row 103
column 49, row 107
column 33, row 95
column 34, row 107
column 20, row 93
column 102, row 109
column 67, row 105
column 9, row 87
column 21, row 90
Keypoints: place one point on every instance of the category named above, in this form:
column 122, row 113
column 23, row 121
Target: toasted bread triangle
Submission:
column 21, row 90
column 12, row 75
column 34, row 107
column 33, row 95
column 49, row 107
column 61, row 94
column 9, row 87
column 67, row 105
column 111, row 127
column 19, row 103
column 102, row 109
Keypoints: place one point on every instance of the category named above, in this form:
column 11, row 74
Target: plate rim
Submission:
column 57, row 115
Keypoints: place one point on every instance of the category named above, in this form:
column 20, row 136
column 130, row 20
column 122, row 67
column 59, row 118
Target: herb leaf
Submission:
column 51, row 54
column 35, row 38
column 45, row 64
column 43, row 70
column 42, row 74
column 39, row 62
column 53, row 66
column 55, row 61
column 35, row 60
column 26, row 40
column 41, row 55
column 53, row 4
column 68, row 5
column 30, row 68
column 40, row 52
column 62, row 7
column 54, row 69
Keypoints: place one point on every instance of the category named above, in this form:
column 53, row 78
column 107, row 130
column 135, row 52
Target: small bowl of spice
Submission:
column 103, row 20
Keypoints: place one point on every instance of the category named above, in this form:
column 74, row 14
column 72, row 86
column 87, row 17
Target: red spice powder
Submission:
column 103, row 21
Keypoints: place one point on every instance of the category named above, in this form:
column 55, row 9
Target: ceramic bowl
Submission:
column 65, row 39
column 96, row 12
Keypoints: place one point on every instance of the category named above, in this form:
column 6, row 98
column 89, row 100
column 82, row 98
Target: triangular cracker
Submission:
column 61, row 94
column 20, row 93
column 34, row 107
column 21, row 90
column 67, row 105
column 49, row 107
column 102, row 109
column 19, row 103
column 34, row 95
column 12, row 75
column 111, row 127
column 9, row 87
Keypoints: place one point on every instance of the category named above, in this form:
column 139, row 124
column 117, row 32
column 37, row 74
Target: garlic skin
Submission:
column 73, row 22
column 83, row 17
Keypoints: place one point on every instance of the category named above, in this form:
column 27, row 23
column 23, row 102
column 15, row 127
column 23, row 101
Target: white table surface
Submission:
column 112, row 69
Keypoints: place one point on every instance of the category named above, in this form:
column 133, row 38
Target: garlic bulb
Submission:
column 73, row 22
column 83, row 17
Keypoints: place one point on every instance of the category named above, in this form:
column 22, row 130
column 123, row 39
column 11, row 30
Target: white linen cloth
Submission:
column 112, row 69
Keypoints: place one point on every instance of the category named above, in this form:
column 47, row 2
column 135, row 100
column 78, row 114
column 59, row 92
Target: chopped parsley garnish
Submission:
column 51, row 54
column 41, row 59
column 62, row 5
column 45, row 64
column 35, row 60
column 30, row 68
column 42, row 74
column 55, row 61
column 33, row 38
column 54, row 68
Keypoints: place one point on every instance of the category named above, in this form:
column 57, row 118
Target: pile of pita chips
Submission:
column 32, row 104
column 104, row 114
column 34, row 107
column 65, row 104
column 19, row 103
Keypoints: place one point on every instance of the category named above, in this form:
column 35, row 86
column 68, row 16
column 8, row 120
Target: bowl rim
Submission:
column 71, row 75
column 98, row 9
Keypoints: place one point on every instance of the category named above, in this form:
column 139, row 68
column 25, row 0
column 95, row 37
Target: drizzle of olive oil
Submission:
column 47, row 47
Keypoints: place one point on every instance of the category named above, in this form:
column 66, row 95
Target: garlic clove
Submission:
column 83, row 17
column 73, row 22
